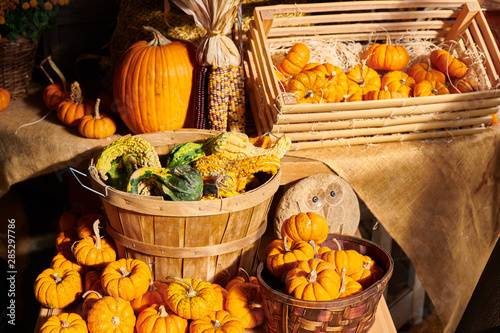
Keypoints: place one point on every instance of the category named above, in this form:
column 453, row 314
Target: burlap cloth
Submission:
column 438, row 199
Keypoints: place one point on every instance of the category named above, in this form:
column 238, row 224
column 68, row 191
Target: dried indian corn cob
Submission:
column 236, row 114
column 201, row 94
column 218, row 98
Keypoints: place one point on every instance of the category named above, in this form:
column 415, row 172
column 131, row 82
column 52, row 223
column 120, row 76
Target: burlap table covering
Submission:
column 438, row 199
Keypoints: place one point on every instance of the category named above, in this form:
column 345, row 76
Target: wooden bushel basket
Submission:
column 285, row 313
column 208, row 240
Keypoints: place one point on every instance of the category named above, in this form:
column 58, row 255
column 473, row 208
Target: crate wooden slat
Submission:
column 458, row 23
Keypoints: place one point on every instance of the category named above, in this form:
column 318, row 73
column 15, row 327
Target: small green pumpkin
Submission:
column 179, row 183
column 185, row 153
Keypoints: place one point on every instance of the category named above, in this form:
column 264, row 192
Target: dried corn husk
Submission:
column 217, row 17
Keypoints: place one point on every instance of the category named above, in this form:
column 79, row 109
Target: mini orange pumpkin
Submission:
column 429, row 88
column 348, row 286
column 398, row 81
column 295, row 59
column 387, row 57
column 4, row 99
column 313, row 280
column 55, row 93
column 365, row 77
column 281, row 255
column 95, row 252
column 190, row 298
column 126, row 278
column 465, row 86
column 71, row 110
column 97, row 126
column 369, row 274
column 64, row 322
column 448, row 64
column 85, row 224
column 157, row 318
column 307, row 87
column 90, row 297
column 56, row 288
column 156, row 294
column 64, row 241
column 65, row 259
column 244, row 301
column 424, row 71
column 217, row 321
column 92, row 280
column 220, row 297
column 382, row 94
column 351, row 260
column 306, row 226
column 111, row 314
column 243, row 276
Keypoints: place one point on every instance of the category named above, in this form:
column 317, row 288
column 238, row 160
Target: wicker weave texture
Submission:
column 286, row 314
column 17, row 60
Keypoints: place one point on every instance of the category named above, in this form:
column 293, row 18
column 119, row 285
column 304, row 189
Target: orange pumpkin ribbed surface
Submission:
column 306, row 226
column 153, row 85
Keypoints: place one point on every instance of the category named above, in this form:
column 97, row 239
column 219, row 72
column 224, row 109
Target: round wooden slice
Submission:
column 325, row 194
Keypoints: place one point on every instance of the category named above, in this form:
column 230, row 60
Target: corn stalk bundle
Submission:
column 224, row 97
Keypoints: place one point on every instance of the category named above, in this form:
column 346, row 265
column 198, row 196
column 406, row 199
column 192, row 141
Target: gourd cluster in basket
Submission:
column 314, row 272
column 97, row 291
column 224, row 165
column 383, row 73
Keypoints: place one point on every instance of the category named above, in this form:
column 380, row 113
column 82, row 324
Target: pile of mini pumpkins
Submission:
column 120, row 295
column 382, row 74
column 314, row 272
column 74, row 109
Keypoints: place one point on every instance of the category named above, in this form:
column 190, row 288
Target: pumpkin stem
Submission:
column 64, row 324
column 57, row 278
column 124, row 271
column 313, row 244
column 341, row 232
column 97, row 115
column 339, row 247
column 91, row 291
column 158, row 38
column 429, row 68
column 76, row 93
column 55, row 69
column 312, row 276
column 245, row 274
column 152, row 286
column 367, row 264
column 309, row 93
column 97, row 235
column 217, row 324
column 254, row 305
column 115, row 320
column 162, row 312
column 191, row 292
column 342, row 286
column 285, row 246
column 435, row 92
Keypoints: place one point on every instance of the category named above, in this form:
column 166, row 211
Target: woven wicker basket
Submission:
column 285, row 313
column 17, row 60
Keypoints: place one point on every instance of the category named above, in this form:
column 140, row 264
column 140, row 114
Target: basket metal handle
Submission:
column 73, row 171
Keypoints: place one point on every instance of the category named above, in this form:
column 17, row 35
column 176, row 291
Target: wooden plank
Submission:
column 385, row 138
column 491, row 47
column 361, row 37
column 386, row 112
column 361, row 132
column 295, row 168
column 380, row 122
column 168, row 231
column 464, row 19
column 364, row 17
column 442, row 102
column 368, row 28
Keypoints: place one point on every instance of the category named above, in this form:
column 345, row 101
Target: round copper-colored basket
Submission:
column 17, row 60
column 285, row 313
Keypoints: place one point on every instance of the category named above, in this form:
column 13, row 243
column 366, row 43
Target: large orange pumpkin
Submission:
column 153, row 85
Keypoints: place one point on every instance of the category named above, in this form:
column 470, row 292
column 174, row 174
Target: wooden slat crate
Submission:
column 458, row 23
